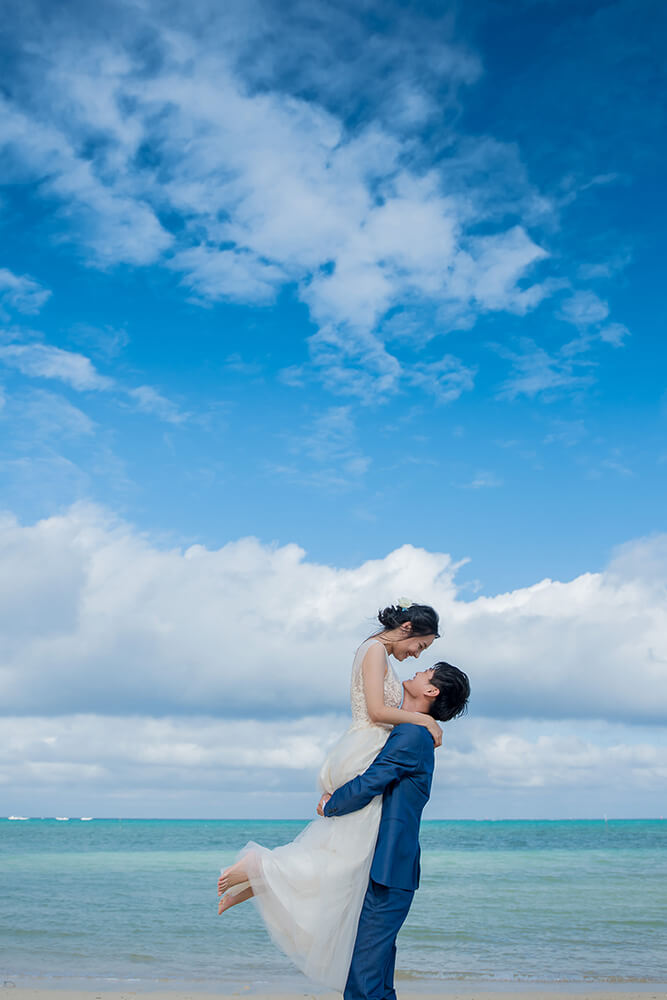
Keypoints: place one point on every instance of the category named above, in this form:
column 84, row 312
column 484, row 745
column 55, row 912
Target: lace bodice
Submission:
column 393, row 689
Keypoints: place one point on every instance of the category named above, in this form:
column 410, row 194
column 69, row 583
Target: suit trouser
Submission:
column 371, row 975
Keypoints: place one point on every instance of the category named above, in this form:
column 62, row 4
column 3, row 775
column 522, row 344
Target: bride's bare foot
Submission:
column 234, row 875
column 232, row 898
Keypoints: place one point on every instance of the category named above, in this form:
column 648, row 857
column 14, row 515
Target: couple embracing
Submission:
column 335, row 898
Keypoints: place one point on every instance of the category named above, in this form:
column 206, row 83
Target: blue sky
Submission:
column 345, row 277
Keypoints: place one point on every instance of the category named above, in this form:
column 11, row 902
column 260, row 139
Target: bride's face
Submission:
column 413, row 646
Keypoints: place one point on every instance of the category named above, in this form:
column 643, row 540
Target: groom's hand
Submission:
column 321, row 804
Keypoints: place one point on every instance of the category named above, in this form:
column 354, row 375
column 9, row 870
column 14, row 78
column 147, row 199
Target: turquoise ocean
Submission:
column 132, row 904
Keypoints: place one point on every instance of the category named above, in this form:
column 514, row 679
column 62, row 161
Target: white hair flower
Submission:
column 404, row 603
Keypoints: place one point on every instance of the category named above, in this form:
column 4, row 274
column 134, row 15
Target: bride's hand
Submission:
column 433, row 728
column 321, row 804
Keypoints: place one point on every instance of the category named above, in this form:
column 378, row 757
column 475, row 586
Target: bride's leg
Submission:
column 233, row 875
column 231, row 899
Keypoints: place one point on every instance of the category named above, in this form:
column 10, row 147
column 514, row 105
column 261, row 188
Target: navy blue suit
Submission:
column 402, row 773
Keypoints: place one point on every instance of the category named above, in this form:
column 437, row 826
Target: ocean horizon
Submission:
column 126, row 902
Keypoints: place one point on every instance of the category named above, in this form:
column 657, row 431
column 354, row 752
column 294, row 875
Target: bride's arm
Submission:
column 373, row 670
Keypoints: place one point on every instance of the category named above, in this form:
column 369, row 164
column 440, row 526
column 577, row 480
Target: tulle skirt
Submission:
column 310, row 892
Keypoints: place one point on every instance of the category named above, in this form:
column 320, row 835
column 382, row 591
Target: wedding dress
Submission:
column 310, row 892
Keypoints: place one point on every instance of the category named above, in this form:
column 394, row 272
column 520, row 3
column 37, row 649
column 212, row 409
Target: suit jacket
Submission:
column 402, row 774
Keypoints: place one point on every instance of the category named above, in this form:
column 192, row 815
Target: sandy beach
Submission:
column 524, row 992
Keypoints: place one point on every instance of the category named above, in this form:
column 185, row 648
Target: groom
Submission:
column 402, row 774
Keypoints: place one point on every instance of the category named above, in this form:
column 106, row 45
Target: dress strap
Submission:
column 386, row 654
column 373, row 639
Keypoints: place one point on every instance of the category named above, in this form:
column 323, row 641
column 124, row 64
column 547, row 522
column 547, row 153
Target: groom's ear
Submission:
column 431, row 691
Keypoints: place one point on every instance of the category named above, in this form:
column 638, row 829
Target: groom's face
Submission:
column 420, row 685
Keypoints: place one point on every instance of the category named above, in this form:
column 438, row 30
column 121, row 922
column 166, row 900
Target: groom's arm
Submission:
column 401, row 755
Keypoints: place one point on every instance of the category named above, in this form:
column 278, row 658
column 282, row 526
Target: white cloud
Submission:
column 524, row 769
column 117, row 226
column 590, row 313
column 266, row 188
column 483, row 480
column 494, row 266
column 39, row 477
column 445, row 379
column 133, row 677
column 605, row 268
column 614, row 465
column 215, row 274
column 107, row 341
column 45, row 361
column 566, row 432
column 38, row 360
column 536, row 372
column 331, row 435
column 354, row 363
column 113, row 222
column 614, row 334
column 584, row 309
column 38, row 415
column 22, row 292
column 149, row 400
column 336, row 461
column 202, row 742
column 206, row 766
column 97, row 619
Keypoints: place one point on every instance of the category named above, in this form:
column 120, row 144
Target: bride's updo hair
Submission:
column 424, row 619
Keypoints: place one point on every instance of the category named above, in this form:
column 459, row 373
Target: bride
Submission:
column 310, row 892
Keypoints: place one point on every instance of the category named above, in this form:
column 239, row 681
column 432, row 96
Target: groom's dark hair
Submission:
column 454, row 688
